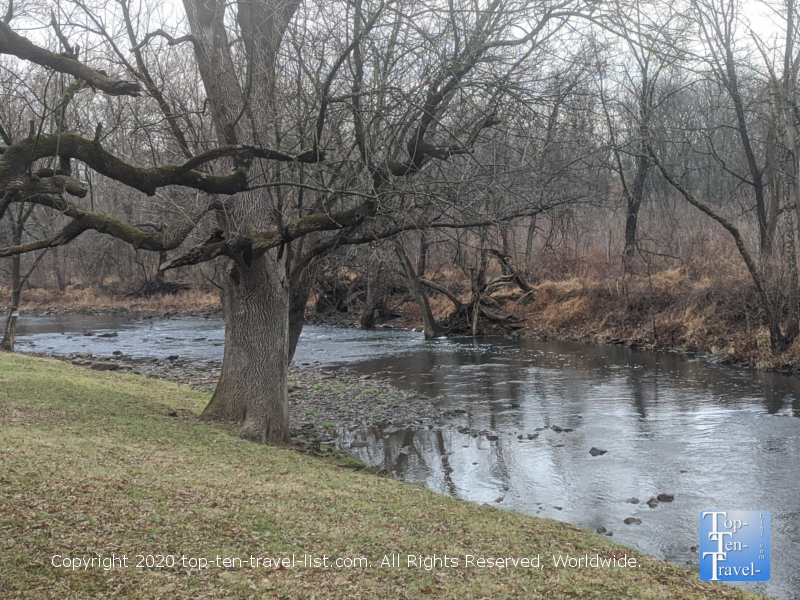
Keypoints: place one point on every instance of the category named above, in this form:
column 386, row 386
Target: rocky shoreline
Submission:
column 322, row 401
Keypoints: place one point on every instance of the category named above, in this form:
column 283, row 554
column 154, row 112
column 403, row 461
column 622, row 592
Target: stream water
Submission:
column 717, row 437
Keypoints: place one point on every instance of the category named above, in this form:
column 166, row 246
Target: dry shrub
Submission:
column 557, row 291
column 410, row 315
column 689, row 328
column 565, row 264
column 675, row 306
column 673, row 280
column 644, row 297
column 111, row 281
column 453, row 279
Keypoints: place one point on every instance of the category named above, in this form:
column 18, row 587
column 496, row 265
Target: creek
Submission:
column 524, row 416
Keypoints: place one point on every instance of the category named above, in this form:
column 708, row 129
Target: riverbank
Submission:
column 706, row 309
column 321, row 400
column 711, row 310
column 93, row 300
column 109, row 464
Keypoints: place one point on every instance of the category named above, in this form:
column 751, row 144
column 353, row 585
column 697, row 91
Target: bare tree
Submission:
column 307, row 139
column 675, row 149
column 642, row 30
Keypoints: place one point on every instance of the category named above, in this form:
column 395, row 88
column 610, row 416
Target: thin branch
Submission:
column 171, row 41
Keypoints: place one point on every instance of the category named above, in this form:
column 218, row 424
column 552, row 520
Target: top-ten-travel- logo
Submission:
column 734, row 545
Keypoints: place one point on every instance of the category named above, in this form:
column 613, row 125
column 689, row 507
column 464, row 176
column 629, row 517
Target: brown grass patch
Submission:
column 567, row 312
column 79, row 298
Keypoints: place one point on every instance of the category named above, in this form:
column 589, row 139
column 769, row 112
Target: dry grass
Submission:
column 95, row 464
column 708, row 306
column 690, row 309
column 570, row 311
column 80, row 298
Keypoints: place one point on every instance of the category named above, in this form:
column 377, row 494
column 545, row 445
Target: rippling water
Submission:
column 714, row 436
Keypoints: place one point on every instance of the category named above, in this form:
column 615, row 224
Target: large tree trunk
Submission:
column 252, row 387
column 11, row 317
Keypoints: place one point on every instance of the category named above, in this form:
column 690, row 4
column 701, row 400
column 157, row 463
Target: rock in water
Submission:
column 665, row 497
column 597, row 452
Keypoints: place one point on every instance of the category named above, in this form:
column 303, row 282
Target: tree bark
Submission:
column 11, row 318
column 299, row 290
column 373, row 294
column 793, row 318
column 431, row 328
column 18, row 228
column 252, row 388
column 529, row 243
column 422, row 261
column 634, row 204
column 16, row 45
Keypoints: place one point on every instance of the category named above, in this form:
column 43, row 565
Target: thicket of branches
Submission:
column 268, row 147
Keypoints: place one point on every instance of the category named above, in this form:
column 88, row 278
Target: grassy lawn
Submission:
column 104, row 464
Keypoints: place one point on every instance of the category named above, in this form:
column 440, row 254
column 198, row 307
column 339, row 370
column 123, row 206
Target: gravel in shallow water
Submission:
column 320, row 400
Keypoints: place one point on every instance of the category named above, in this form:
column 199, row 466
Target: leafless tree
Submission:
column 765, row 151
column 322, row 116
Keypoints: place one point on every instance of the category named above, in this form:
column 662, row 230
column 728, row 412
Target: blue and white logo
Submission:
column 734, row 545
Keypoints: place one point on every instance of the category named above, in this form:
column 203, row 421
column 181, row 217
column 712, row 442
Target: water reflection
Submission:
column 716, row 437
column 712, row 435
